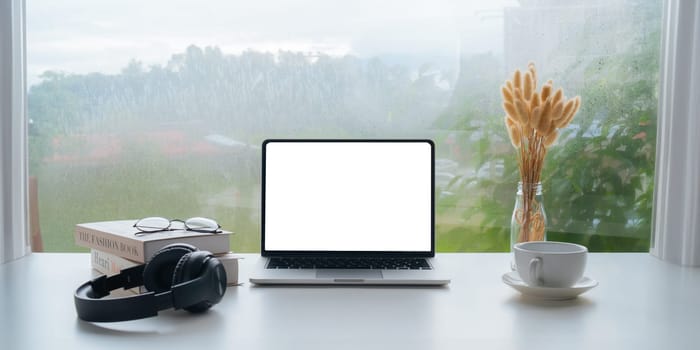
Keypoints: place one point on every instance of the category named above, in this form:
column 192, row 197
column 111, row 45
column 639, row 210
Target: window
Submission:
column 159, row 108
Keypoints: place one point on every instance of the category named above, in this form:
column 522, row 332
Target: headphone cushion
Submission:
column 158, row 273
column 188, row 268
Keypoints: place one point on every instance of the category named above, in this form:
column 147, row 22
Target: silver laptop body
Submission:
column 348, row 199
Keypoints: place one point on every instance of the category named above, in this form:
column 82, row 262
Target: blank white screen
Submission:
column 348, row 196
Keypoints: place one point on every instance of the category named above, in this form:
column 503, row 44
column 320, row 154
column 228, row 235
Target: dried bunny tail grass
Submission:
column 552, row 128
column 551, row 137
column 556, row 110
column 509, row 121
column 547, row 108
column 564, row 122
column 546, row 91
column 576, row 106
column 517, row 94
column 527, row 131
column 510, row 110
column 507, row 95
column 558, row 96
column 536, row 116
column 533, row 72
column 567, row 118
column 517, row 79
column 532, row 118
column 544, row 124
column 527, row 86
column 568, row 107
column 523, row 112
column 534, row 101
column 545, row 121
column 514, row 134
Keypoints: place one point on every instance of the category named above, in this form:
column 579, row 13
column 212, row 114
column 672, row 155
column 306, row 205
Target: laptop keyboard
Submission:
column 348, row 263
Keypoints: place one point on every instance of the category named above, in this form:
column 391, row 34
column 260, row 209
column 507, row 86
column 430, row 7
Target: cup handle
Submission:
column 535, row 270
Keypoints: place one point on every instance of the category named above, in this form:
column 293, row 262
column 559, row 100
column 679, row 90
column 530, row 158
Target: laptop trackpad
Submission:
column 348, row 274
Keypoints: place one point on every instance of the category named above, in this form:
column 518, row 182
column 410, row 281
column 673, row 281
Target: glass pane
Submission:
column 162, row 110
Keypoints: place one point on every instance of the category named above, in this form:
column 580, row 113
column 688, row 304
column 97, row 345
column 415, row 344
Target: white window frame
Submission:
column 676, row 228
column 13, row 132
column 676, row 215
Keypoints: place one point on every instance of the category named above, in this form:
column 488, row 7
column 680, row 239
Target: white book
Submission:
column 110, row 264
column 120, row 238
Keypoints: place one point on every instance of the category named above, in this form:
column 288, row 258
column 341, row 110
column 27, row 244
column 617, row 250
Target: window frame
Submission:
column 676, row 225
column 675, row 232
column 13, row 119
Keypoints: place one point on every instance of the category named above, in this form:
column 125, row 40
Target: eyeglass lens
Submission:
column 153, row 223
column 201, row 224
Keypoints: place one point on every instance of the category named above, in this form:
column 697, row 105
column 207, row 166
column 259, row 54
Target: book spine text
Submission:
column 109, row 264
column 119, row 246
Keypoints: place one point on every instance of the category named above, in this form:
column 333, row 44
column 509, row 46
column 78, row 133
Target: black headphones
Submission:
column 177, row 276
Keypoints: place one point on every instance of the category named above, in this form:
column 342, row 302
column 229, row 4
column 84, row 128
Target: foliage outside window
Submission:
column 180, row 138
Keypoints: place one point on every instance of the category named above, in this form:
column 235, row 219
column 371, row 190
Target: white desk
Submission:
column 641, row 303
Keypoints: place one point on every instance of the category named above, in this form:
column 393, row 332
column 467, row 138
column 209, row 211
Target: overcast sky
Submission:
column 80, row 36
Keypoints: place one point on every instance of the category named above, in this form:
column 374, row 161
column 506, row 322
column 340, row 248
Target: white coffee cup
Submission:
column 550, row 264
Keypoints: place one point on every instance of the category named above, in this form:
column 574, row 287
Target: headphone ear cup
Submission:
column 188, row 268
column 158, row 272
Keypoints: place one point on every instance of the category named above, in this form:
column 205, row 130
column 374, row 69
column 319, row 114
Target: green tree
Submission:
column 137, row 143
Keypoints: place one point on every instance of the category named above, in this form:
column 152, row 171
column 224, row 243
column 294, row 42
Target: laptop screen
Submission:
column 347, row 196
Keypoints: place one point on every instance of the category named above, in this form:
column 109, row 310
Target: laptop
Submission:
column 348, row 212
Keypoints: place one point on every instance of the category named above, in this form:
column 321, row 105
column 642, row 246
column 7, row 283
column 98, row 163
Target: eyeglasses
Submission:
column 158, row 224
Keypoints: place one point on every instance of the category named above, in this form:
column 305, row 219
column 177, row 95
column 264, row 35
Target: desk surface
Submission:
column 640, row 303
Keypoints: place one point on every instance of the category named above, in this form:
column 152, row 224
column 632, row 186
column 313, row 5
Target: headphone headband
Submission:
column 90, row 307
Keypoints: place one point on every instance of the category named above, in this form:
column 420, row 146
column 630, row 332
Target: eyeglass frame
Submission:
column 168, row 228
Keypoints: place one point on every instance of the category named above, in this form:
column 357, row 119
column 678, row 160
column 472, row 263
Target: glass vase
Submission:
column 529, row 221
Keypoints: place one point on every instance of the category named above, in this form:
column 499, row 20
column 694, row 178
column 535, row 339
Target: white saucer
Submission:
column 583, row 285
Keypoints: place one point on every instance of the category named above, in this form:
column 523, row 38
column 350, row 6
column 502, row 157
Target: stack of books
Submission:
column 114, row 246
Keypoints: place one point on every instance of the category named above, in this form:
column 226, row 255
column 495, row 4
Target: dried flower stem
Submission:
column 532, row 120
